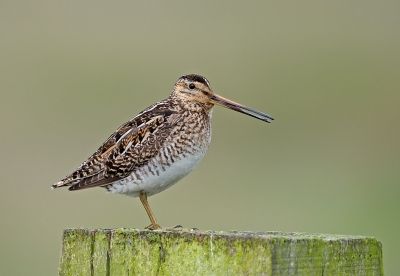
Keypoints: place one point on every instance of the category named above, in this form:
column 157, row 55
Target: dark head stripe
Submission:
column 197, row 78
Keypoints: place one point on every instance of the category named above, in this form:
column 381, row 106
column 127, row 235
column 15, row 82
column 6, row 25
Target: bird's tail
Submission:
column 64, row 182
column 57, row 185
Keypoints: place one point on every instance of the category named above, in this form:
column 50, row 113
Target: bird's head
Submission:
column 193, row 91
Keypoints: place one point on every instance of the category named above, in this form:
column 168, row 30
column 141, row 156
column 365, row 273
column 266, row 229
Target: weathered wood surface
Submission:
column 141, row 252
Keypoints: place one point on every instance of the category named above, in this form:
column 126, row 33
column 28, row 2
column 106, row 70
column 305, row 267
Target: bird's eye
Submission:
column 192, row 86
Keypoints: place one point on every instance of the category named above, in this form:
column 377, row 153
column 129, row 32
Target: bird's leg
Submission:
column 154, row 225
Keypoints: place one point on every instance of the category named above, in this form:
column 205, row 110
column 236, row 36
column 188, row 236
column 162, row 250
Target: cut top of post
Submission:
column 132, row 251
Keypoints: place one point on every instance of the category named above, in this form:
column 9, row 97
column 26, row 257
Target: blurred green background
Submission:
column 329, row 72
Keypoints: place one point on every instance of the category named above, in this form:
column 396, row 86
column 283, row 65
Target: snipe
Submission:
column 158, row 147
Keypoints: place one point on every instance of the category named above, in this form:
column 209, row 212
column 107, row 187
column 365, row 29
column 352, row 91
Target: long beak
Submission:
column 221, row 101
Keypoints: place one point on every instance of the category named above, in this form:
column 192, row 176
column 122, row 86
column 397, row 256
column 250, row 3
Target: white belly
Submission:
column 155, row 177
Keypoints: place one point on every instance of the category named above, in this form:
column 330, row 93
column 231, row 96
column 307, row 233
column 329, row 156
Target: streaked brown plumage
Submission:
column 158, row 147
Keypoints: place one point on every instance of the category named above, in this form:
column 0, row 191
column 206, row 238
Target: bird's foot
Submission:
column 175, row 228
column 153, row 227
column 180, row 228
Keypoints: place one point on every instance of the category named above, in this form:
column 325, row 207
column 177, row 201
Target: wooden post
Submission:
column 141, row 252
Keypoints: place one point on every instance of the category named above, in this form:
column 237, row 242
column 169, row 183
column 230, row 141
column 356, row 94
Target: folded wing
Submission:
column 130, row 146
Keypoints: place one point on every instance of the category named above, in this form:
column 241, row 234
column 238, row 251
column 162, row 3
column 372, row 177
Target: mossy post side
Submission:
column 142, row 252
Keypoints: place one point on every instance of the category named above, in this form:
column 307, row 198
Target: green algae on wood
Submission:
column 142, row 252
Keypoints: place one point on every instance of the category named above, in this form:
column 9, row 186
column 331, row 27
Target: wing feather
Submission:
column 93, row 181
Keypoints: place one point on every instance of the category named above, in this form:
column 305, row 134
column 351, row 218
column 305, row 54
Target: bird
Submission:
column 158, row 147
